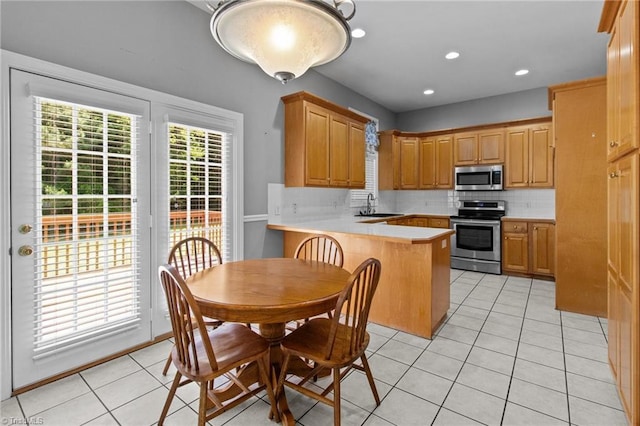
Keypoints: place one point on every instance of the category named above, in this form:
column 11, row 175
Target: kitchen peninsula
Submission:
column 413, row 292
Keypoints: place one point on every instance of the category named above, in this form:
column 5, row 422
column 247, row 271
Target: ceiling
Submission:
column 403, row 52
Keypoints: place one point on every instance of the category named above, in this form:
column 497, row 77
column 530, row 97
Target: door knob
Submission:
column 25, row 251
column 25, row 228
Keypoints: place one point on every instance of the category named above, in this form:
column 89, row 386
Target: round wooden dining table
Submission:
column 269, row 292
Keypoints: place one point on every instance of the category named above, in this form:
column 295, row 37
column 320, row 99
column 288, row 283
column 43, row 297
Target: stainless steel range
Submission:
column 476, row 245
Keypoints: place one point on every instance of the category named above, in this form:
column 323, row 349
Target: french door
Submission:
column 80, row 219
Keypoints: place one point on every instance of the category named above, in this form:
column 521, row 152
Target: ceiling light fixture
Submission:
column 358, row 33
column 429, row 92
column 452, row 55
column 522, row 72
column 284, row 37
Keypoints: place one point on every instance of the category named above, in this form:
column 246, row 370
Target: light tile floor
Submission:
column 504, row 356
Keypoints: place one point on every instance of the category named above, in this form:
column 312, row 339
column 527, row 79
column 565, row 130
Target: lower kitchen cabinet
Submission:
column 528, row 247
column 424, row 221
column 439, row 222
column 543, row 249
column 515, row 247
column 624, row 291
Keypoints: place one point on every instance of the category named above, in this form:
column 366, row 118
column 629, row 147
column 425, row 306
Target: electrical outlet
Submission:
column 295, row 208
column 277, row 211
column 335, row 205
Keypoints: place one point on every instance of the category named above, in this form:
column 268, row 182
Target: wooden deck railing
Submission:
column 94, row 250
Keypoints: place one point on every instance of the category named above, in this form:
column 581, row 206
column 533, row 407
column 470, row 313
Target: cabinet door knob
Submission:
column 613, row 144
column 613, row 175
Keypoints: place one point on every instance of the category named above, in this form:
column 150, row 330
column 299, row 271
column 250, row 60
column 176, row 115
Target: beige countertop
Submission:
column 356, row 226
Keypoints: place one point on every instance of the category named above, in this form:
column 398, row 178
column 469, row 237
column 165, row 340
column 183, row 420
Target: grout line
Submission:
column 515, row 357
column 566, row 378
column 93, row 391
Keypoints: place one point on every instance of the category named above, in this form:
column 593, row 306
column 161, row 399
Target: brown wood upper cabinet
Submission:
column 529, row 157
column 412, row 162
column 409, row 166
column 398, row 161
column 436, row 162
column 622, row 82
column 324, row 143
column 485, row 147
column 426, row 160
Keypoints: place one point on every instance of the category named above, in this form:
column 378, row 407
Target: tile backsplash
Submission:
column 302, row 204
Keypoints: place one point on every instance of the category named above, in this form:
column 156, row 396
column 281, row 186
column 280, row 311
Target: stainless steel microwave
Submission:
column 479, row 178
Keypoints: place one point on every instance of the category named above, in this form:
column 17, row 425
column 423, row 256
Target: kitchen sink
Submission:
column 379, row 214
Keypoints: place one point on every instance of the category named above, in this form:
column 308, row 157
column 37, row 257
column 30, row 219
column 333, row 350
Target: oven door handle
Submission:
column 475, row 222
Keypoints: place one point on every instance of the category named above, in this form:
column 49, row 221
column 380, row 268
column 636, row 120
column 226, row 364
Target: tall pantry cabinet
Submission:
column 580, row 133
column 622, row 20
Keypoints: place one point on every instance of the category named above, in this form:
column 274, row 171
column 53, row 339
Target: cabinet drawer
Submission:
column 420, row 221
column 515, row 227
column 436, row 222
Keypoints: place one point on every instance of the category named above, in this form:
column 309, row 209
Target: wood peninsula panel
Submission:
column 413, row 294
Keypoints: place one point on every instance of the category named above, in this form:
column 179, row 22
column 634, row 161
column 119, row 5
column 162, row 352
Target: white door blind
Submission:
column 198, row 180
column 87, row 273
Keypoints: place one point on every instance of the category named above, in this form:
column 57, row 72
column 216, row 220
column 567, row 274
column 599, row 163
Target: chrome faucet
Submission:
column 369, row 200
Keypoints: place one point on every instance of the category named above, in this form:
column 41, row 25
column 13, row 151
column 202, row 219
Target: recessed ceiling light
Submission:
column 522, row 72
column 358, row 33
column 452, row 55
column 429, row 92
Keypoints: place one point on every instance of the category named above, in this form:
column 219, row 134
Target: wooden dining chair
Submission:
column 201, row 355
column 322, row 248
column 334, row 343
column 194, row 254
column 189, row 256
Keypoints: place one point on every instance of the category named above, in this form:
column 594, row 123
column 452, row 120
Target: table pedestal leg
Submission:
column 274, row 334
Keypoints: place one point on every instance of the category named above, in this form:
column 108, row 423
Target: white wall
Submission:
column 495, row 109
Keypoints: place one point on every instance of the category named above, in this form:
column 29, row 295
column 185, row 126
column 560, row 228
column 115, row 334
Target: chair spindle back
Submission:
column 194, row 254
column 186, row 319
column 322, row 248
column 354, row 304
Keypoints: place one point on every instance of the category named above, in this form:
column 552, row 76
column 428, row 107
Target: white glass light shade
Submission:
column 284, row 37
